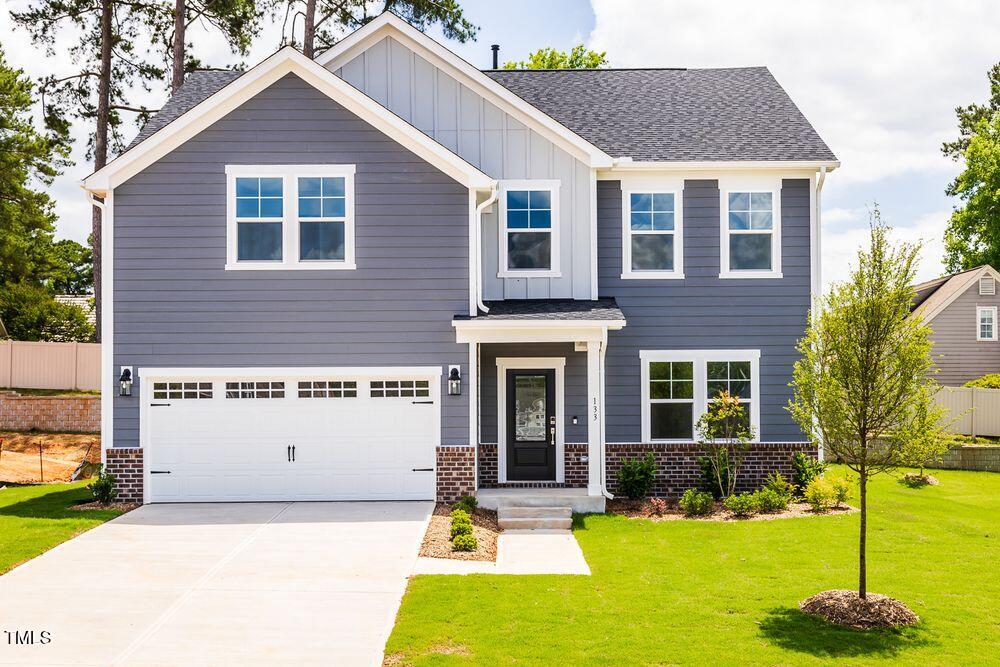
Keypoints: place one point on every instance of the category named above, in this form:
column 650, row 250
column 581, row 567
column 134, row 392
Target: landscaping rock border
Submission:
column 437, row 539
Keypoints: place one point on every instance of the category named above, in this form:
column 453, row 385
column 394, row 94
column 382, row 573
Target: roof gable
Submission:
column 946, row 290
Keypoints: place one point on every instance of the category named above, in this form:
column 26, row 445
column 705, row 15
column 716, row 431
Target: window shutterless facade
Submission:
column 529, row 229
column 652, row 245
column 678, row 385
column 986, row 323
column 290, row 217
column 751, row 231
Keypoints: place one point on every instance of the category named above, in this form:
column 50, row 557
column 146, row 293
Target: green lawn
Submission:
column 686, row 592
column 33, row 519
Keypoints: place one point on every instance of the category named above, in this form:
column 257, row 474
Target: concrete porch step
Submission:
column 522, row 512
column 576, row 499
column 535, row 523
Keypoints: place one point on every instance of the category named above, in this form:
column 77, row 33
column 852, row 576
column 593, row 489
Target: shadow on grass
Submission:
column 793, row 630
column 56, row 505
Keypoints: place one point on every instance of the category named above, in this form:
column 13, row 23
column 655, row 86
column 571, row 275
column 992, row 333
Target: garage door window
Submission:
column 182, row 390
column 400, row 388
column 328, row 389
column 255, row 390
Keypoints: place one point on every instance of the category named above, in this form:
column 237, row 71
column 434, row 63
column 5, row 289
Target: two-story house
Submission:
column 386, row 274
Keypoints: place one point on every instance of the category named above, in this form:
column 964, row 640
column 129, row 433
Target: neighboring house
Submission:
column 385, row 274
column 84, row 302
column 961, row 311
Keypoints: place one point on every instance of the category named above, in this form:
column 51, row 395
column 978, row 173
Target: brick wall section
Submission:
column 986, row 459
column 126, row 465
column 575, row 470
column 456, row 473
column 76, row 414
column 678, row 464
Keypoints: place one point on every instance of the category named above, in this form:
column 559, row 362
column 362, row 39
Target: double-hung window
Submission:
column 290, row 217
column 529, row 229
column 679, row 385
column 986, row 323
column 751, row 233
column 652, row 244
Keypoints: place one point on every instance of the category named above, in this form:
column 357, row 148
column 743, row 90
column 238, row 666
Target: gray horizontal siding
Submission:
column 175, row 305
column 958, row 355
column 703, row 312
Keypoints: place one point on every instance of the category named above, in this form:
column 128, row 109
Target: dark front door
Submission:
column 531, row 425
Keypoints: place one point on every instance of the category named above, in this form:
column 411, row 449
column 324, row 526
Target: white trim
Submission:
column 594, row 289
column 628, row 273
column 993, row 283
column 504, row 364
column 627, row 164
column 992, row 310
column 769, row 185
column 285, row 61
column 108, row 388
column 700, row 359
column 388, row 24
column 526, row 331
column 290, row 221
column 552, row 186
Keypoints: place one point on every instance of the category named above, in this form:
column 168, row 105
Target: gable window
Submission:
column 529, row 229
column 652, row 245
column 290, row 217
column 751, row 234
column 986, row 321
column 678, row 386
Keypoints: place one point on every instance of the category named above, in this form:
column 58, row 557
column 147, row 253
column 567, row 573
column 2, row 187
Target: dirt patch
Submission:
column 644, row 509
column 916, row 480
column 396, row 659
column 437, row 539
column 847, row 609
column 121, row 507
column 61, row 453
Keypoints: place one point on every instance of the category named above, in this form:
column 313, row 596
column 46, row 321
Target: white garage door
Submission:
column 290, row 437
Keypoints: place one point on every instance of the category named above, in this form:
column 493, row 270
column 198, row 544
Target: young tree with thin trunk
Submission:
column 579, row 57
column 236, row 20
column 864, row 375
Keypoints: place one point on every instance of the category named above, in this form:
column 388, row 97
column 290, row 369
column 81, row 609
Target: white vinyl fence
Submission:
column 33, row 365
column 975, row 411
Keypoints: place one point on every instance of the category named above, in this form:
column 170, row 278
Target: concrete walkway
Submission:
column 219, row 584
column 519, row 552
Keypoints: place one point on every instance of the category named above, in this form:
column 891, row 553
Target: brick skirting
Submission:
column 678, row 464
column 575, row 467
column 456, row 473
column 73, row 414
column 126, row 465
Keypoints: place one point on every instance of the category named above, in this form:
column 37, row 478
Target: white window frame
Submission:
column 771, row 186
column 290, row 219
column 628, row 273
column 700, row 359
column 992, row 310
column 552, row 186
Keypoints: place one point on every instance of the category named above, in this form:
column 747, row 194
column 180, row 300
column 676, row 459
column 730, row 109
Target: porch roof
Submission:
column 540, row 310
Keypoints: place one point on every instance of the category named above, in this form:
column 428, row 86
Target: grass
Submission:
column 55, row 392
column 33, row 519
column 688, row 592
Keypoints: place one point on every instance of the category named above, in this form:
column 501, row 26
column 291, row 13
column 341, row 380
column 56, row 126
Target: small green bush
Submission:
column 776, row 482
column 103, row 487
column 467, row 503
column 769, row 500
column 636, row 476
column 695, row 502
column 460, row 528
column 820, row 494
column 460, row 514
column 464, row 543
column 841, row 490
column 989, row 381
column 657, row 506
column 805, row 469
column 742, row 504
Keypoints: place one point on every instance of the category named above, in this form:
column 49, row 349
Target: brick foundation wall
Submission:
column 456, row 473
column 678, row 464
column 574, row 466
column 126, row 465
column 75, row 414
column 986, row 459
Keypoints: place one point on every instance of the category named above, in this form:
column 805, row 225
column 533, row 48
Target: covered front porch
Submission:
column 536, row 405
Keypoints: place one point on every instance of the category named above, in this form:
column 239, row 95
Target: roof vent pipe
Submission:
column 495, row 48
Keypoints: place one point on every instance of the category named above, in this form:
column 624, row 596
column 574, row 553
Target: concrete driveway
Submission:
column 218, row 584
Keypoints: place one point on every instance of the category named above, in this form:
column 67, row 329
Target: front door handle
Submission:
column 552, row 435
column 288, row 453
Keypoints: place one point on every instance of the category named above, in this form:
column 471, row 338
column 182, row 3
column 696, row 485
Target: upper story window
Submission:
column 751, row 233
column 651, row 243
column 986, row 323
column 529, row 229
column 290, row 217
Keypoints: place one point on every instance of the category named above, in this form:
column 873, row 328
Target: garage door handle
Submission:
column 289, row 453
column 422, row 402
column 423, row 470
column 159, row 472
column 293, row 453
column 159, row 405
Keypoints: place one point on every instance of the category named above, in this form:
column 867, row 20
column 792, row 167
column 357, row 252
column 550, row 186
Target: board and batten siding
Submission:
column 703, row 311
column 499, row 145
column 175, row 305
column 957, row 354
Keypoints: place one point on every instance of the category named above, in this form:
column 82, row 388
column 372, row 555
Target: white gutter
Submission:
column 818, row 267
column 628, row 164
column 477, row 247
column 604, row 430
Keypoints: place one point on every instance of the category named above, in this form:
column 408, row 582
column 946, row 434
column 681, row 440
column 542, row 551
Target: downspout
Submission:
column 494, row 193
column 604, row 456
column 94, row 201
column 818, row 279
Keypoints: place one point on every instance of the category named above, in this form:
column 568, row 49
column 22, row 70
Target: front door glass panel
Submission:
column 529, row 408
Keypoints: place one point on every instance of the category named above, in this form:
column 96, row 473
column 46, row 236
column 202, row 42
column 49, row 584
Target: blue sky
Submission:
column 879, row 81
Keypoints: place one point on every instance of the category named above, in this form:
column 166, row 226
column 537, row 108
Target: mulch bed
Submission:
column 847, row 609
column 437, row 539
column 643, row 509
column 916, row 480
column 94, row 505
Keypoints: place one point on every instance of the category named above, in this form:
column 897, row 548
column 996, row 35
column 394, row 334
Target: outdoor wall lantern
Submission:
column 125, row 382
column 454, row 381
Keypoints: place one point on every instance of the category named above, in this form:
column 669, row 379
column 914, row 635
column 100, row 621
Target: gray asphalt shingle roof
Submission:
column 551, row 309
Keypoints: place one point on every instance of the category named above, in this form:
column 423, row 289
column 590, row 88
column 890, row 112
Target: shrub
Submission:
column 805, row 469
column 820, row 494
column 989, row 381
column 841, row 490
column 695, row 502
column 460, row 528
column 459, row 514
column 636, row 476
column 715, row 472
column 658, row 506
column 742, row 504
column 103, row 487
column 467, row 503
column 769, row 500
column 464, row 543
column 776, row 482
column 725, row 434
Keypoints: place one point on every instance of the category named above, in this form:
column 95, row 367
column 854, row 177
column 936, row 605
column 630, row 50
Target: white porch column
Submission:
column 594, row 417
